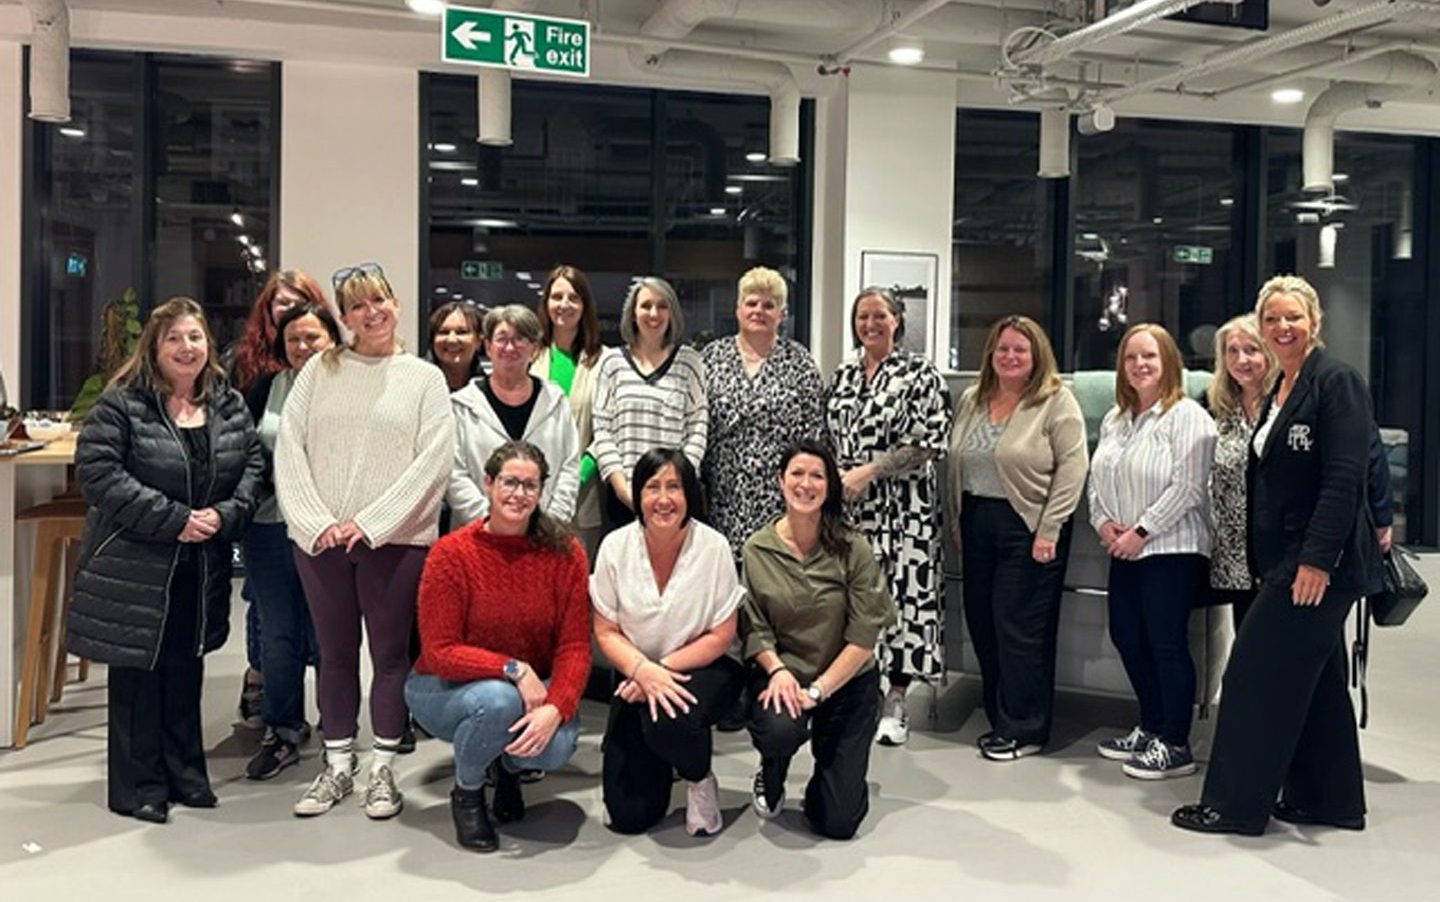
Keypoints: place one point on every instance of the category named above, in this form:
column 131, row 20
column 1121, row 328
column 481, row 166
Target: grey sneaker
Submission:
column 702, row 807
column 1160, row 760
column 327, row 789
column 1122, row 748
column 382, row 797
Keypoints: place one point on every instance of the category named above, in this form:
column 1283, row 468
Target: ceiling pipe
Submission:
column 1320, row 30
column 843, row 57
column 676, row 19
column 50, row 61
column 1349, row 61
column 492, row 91
column 1137, row 15
column 1317, row 143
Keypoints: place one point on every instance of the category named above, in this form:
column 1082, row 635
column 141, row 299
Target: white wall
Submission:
column 12, row 126
column 899, row 183
column 349, row 175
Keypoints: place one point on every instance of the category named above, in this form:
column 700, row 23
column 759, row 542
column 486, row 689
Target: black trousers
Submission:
column 640, row 757
column 841, row 731
column 155, row 749
column 1012, row 609
column 1286, row 726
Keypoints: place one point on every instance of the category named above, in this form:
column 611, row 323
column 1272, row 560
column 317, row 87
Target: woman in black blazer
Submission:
column 1285, row 739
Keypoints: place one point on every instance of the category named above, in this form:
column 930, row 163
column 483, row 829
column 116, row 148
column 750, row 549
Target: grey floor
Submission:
column 944, row 824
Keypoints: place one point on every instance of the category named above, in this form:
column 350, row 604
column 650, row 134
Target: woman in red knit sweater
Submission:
column 505, row 644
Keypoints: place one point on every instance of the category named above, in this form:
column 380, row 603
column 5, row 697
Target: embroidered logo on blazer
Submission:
column 1299, row 438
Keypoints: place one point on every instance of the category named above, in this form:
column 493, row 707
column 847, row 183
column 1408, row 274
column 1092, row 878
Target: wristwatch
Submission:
column 1142, row 532
column 514, row 670
column 815, row 694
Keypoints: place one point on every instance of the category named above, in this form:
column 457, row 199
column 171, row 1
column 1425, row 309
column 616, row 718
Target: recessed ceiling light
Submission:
column 533, row 286
column 72, row 131
column 1227, row 201
column 524, row 277
column 1158, row 220
column 427, row 7
column 469, row 183
column 487, row 223
column 1287, row 95
column 755, row 156
column 445, row 147
column 717, row 211
column 907, row 55
column 733, row 189
column 441, row 289
column 243, row 239
column 236, row 218
column 1339, row 176
column 1090, row 236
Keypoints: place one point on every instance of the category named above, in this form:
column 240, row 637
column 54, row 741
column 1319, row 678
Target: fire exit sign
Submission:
column 506, row 40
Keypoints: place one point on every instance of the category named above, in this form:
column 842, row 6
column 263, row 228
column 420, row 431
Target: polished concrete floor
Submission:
column 944, row 824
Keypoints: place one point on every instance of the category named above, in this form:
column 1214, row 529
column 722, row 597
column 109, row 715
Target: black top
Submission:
column 197, row 451
column 514, row 417
column 1308, row 496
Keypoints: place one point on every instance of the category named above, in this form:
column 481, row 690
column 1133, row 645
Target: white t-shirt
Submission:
column 702, row 592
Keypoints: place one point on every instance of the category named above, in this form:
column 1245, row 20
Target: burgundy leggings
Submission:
column 378, row 586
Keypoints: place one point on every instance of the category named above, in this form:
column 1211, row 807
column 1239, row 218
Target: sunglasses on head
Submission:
column 343, row 275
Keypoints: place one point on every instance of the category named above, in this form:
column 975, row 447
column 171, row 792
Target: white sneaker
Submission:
column 702, row 807
column 894, row 726
column 326, row 790
column 382, row 796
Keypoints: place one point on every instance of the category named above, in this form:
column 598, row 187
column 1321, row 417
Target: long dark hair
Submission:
column 544, row 530
column 834, row 528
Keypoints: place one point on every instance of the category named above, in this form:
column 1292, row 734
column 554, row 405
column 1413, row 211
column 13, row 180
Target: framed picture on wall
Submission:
column 910, row 277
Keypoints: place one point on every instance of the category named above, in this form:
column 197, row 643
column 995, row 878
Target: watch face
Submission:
column 512, row 669
column 814, row 692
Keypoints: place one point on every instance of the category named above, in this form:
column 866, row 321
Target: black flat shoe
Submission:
column 1204, row 819
column 1292, row 815
column 205, row 799
column 473, row 829
column 509, row 803
column 152, row 812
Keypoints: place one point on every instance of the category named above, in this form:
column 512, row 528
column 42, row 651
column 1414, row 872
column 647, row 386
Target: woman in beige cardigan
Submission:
column 1017, row 470
column 569, row 357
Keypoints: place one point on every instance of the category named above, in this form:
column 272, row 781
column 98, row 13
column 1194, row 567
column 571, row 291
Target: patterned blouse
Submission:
column 1229, row 566
column 752, row 420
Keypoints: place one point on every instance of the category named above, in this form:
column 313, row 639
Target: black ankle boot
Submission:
column 509, row 805
column 472, row 822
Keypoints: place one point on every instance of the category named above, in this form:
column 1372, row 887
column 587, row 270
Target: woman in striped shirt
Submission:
column 1148, row 481
column 650, row 395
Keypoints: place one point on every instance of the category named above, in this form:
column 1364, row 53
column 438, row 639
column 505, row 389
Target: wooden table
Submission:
column 25, row 480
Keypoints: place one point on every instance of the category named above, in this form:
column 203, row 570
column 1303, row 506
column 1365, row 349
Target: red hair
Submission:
column 255, row 351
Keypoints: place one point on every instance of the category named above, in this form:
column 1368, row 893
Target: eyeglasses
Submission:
column 344, row 274
column 510, row 485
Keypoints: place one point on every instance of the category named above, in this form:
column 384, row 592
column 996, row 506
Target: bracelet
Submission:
column 771, row 673
column 640, row 662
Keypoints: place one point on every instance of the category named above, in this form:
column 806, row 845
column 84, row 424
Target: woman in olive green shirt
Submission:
column 816, row 603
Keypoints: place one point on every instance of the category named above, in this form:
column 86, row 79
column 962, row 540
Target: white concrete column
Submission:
column 349, row 183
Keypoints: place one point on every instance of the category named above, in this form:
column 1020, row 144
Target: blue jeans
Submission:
column 287, row 638
column 476, row 717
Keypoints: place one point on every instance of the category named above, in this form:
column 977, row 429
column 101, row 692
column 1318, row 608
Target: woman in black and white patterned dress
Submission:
column 1243, row 370
column 887, row 416
column 764, row 393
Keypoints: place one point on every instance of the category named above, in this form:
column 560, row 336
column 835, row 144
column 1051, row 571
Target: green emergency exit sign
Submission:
column 506, row 40
column 1194, row 253
column 481, row 270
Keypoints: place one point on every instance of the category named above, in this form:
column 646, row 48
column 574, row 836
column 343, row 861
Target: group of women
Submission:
column 353, row 453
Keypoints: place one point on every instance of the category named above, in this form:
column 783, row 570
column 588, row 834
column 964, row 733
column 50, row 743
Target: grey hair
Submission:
column 520, row 318
column 628, row 329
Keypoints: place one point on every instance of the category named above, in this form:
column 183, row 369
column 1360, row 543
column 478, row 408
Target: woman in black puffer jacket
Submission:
column 170, row 465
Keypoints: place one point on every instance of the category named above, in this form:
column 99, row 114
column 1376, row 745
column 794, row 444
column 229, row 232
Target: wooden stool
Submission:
column 58, row 523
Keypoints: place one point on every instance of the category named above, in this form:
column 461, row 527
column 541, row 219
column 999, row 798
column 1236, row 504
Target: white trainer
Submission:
column 702, row 807
column 894, row 726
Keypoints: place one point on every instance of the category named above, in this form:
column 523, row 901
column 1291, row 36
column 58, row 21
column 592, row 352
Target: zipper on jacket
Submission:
column 106, row 542
column 174, row 558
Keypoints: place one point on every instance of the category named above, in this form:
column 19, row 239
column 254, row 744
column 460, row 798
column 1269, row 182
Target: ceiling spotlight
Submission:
column 733, row 189
column 427, row 7
column 469, row 183
column 1158, row 220
column 1287, row 95
column 524, row 277
column 533, row 286
column 1090, row 236
column 1227, row 201
column 243, row 239
column 717, row 211
column 445, row 147
column 907, row 55
column 236, row 218
column 72, row 131
column 1337, row 177
column 441, row 289
column 755, row 156
column 255, row 249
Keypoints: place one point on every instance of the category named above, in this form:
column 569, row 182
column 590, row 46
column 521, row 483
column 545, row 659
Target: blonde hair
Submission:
column 1171, row 369
column 359, row 285
column 142, row 368
column 1044, row 378
column 1286, row 283
column 1224, row 393
column 764, row 280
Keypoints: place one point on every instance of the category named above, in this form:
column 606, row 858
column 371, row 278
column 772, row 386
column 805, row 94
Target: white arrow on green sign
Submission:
column 1194, row 253
column 484, row 270
column 506, row 40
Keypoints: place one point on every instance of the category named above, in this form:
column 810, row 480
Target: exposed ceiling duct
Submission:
column 1136, row 15
column 1410, row 73
column 50, row 61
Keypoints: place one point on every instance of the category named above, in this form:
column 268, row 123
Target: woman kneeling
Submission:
column 505, row 645
column 665, row 596
column 815, row 607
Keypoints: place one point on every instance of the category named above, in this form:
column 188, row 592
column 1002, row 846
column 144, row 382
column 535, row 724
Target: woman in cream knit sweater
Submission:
column 361, row 465
column 1017, row 469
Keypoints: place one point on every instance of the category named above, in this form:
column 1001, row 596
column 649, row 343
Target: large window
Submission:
column 1002, row 241
column 167, row 166
column 619, row 182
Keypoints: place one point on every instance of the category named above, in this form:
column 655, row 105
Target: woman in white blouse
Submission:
column 1148, row 481
column 665, row 595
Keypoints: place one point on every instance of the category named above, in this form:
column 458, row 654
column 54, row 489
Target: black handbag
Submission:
column 1403, row 592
